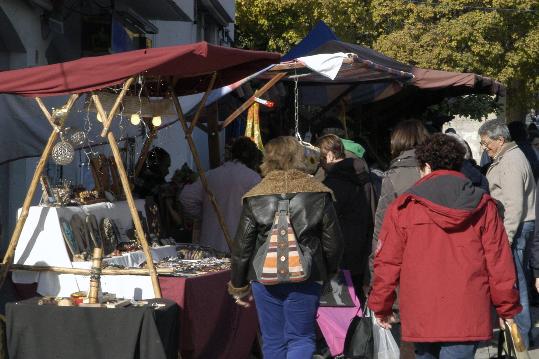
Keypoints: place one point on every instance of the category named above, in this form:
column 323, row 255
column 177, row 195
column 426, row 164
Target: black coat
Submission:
column 312, row 216
column 354, row 213
column 534, row 261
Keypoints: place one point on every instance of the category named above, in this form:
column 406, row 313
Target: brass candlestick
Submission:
column 95, row 275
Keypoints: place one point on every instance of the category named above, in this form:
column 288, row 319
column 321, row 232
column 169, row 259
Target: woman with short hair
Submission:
column 286, row 312
column 444, row 245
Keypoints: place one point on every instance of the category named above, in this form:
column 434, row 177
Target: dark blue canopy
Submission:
column 318, row 35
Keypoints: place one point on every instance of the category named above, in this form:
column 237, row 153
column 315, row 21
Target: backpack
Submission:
column 280, row 259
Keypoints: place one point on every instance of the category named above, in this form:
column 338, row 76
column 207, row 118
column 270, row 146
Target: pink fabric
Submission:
column 334, row 321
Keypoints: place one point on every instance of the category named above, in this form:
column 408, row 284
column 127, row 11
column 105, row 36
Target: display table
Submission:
column 49, row 331
column 213, row 326
column 41, row 243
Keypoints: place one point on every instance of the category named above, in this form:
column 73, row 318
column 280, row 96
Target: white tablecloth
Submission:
column 42, row 243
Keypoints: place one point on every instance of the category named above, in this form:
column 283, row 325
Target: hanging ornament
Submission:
column 63, row 153
column 267, row 103
column 156, row 121
column 78, row 137
column 252, row 129
column 59, row 114
column 135, row 119
column 73, row 135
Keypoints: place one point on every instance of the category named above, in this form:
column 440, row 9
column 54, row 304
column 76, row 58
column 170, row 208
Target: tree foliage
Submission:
column 495, row 38
column 465, row 36
column 278, row 25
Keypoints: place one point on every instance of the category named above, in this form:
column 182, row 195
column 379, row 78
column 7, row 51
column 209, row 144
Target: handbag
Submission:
column 359, row 342
column 280, row 259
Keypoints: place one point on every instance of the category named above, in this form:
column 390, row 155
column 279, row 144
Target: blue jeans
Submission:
column 287, row 318
column 464, row 350
column 520, row 255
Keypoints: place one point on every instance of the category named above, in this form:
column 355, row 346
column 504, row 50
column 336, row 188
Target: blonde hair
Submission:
column 282, row 153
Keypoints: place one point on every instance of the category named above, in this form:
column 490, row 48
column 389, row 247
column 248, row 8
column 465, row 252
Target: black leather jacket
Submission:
column 315, row 223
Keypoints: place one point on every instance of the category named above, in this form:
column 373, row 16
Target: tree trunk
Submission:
column 515, row 103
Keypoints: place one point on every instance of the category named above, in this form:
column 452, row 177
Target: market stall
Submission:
column 47, row 331
column 45, row 245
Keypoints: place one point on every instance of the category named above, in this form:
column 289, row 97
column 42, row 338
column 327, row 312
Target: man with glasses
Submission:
column 512, row 184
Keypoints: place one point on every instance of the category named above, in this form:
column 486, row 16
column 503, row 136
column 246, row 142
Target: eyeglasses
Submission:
column 484, row 144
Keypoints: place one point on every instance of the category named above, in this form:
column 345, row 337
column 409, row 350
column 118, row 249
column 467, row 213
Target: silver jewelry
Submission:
column 63, row 153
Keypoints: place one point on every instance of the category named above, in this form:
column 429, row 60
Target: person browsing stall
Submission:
column 512, row 184
column 444, row 245
column 286, row 312
column 352, row 206
column 228, row 183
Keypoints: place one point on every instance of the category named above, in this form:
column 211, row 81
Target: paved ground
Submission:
column 490, row 350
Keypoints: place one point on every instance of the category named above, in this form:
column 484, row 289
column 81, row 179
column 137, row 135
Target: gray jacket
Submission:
column 511, row 182
column 403, row 172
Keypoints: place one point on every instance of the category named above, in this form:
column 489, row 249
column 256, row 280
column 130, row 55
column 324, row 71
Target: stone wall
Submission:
column 466, row 128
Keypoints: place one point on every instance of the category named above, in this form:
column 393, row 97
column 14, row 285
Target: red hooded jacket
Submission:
column 443, row 243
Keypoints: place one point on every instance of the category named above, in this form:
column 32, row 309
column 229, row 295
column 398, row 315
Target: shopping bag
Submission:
column 510, row 344
column 359, row 342
column 385, row 346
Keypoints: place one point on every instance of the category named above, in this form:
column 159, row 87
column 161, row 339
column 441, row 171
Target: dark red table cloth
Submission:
column 211, row 324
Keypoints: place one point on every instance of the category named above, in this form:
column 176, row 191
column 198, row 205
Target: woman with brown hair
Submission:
column 352, row 206
column 403, row 170
column 286, row 312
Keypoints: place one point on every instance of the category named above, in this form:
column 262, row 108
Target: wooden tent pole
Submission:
column 202, row 103
column 145, row 149
column 46, row 113
column 134, row 214
column 201, row 172
column 10, row 252
column 251, row 99
column 108, row 120
column 213, row 135
column 82, row 271
column 129, row 195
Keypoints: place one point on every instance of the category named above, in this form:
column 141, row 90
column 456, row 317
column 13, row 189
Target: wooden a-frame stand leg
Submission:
column 188, row 131
column 251, row 99
column 57, row 127
column 145, row 148
column 125, row 181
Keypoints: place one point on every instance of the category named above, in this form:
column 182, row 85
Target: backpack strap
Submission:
column 282, row 220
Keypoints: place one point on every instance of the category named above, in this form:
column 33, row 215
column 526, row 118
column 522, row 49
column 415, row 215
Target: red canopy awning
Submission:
column 188, row 67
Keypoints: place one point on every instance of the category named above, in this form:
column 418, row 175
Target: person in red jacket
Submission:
column 443, row 243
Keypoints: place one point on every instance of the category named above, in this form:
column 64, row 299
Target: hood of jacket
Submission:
column 344, row 170
column 450, row 199
column 353, row 147
column 290, row 181
column 405, row 159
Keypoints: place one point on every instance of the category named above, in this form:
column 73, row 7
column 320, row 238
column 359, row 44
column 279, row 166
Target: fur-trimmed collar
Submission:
column 291, row 181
